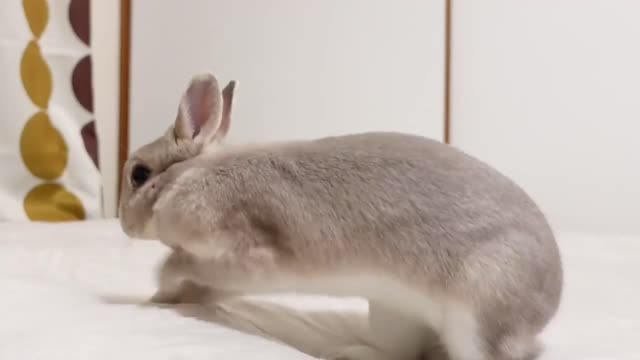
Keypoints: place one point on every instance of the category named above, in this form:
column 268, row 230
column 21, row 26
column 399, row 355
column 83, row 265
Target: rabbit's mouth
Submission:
column 135, row 220
column 145, row 232
column 149, row 231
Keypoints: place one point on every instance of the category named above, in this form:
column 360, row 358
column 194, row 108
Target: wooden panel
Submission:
column 125, row 68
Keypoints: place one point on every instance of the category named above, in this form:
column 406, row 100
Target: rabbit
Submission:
column 449, row 253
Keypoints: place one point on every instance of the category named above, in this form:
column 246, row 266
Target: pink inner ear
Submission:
column 201, row 105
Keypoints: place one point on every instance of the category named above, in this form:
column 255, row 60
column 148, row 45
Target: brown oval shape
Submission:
column 51, row 202
column 36, row 75
column 42, row 148
column 82, row 83
column 90, row 139
column 80, row 19
column 37, row 14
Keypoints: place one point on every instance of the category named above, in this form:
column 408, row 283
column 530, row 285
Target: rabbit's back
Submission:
column 374, row 195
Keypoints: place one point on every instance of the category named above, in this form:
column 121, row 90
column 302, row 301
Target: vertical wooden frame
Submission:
column 125, row 68
column 447, row 71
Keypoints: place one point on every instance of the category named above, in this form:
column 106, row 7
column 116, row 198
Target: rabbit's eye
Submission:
column 139, row 175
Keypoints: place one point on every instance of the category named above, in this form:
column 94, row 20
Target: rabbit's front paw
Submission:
column 165, row 297
column 187, row 293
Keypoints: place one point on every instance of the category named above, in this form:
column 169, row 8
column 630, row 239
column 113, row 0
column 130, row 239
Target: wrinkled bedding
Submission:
column 60, row 286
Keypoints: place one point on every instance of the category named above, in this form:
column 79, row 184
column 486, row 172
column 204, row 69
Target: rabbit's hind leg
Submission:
column 518, row 348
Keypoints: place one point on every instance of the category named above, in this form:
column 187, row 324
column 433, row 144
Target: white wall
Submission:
column 306, row 68
column 549, row 93
column 105, row 48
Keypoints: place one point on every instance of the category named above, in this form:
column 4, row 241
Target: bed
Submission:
column 65, row 289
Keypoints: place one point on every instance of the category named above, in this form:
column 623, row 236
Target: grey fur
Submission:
column 415, row 213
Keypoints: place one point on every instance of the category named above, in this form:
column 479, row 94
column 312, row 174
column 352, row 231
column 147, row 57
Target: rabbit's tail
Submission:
column 339, row 334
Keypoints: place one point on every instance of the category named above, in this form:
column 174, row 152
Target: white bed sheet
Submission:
column 54, row 280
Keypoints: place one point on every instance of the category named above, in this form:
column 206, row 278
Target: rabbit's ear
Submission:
column 200, row 111
column 227, row 107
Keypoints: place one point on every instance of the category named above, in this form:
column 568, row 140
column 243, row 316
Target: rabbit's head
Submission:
column 203, row 120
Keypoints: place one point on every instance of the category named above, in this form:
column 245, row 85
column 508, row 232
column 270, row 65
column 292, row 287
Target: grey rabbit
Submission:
column 440, row 244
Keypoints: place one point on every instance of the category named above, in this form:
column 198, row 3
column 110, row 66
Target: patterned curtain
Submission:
column 48, row 144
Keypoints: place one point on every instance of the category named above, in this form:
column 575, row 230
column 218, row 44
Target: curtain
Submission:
column 48, row 143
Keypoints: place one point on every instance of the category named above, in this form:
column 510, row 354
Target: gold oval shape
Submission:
column 52, row 203
column 36, row 75
column 42, row 148
column 37, row 14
